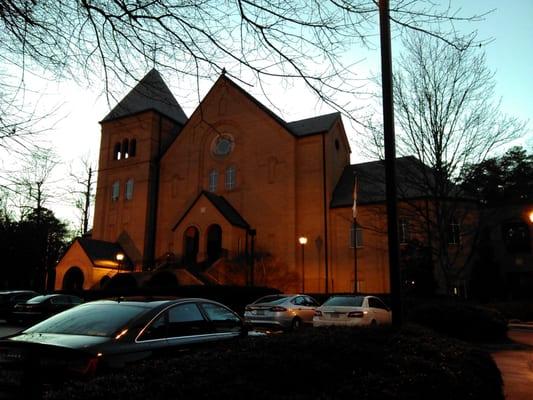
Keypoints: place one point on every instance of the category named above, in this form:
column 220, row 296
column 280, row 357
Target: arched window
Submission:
column 213, row 180
column 125, row 148
column 133, row 148
column 454, row 232
column 129, row 189
column 116, row 151
column 403, row 227
column 115, row 190
column 230, row 177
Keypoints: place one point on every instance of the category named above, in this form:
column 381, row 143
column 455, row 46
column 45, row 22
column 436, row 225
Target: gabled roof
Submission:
column 223, row 206
column 300, row 128
column 414, row 180
column 98, row 250
column 151, row 93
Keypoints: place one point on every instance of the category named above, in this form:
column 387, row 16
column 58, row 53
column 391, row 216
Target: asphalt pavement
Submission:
column 516, row 363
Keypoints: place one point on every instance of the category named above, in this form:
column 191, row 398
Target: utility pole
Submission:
column 390, row 163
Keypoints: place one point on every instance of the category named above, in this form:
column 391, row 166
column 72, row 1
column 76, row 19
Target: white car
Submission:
column 352, row 311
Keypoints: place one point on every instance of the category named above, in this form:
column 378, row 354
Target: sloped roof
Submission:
column 223, row 206
column 151, row 93
column 100, row 250
column 411, row 176
column 300, row 128
column 311, row 126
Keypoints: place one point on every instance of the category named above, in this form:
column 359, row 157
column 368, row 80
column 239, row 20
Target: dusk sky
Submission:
column 509, row 55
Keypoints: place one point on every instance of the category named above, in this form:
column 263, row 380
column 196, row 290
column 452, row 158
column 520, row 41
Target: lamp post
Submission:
column 303, row 242
column 119, row 257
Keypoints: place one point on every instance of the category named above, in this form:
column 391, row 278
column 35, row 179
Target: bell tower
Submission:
column 134, row 136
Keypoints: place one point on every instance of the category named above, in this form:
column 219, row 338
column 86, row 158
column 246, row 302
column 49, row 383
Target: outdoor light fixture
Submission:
column 530, row 215
column 119, row 257
column 303, row 239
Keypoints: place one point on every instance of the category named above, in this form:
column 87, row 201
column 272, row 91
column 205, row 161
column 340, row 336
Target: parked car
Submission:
column 283, row 311
column 9, row 298
column 108, row 334
column 352, row 311
column 41, row 307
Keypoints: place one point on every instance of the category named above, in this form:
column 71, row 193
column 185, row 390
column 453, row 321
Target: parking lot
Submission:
column 6, row 329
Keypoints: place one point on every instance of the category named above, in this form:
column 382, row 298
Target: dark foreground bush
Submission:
column 462, row 321
column 368, row 364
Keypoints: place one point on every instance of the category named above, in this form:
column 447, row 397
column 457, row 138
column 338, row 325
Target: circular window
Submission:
column 222, row 145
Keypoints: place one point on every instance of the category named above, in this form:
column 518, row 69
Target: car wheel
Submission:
column 296, row 324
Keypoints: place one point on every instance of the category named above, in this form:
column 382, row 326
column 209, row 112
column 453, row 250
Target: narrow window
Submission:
column 213, row 178
column 454, row 232
column 403, row 226
column 357, row 234
column 133, row 148
column 125, row 148
column 129, row 189
column 115, row 192
column 230, row 178
column 116, row 152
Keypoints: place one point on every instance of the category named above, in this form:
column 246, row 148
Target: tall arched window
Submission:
column 133, row 148
column 230, row 177
column 115, row 191
column 129, row 189
column 125, row 148
column 116, row 151
column 213, row 180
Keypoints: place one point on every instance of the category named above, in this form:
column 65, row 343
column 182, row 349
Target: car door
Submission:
column 305, row 309
column 225, row 323
column 187, row 325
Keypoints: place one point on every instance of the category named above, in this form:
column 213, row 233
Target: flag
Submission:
column 354, row 207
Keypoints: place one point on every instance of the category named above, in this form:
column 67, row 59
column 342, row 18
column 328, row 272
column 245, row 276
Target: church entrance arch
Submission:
column 73, row 279
column 190, row 245
column 214, row 243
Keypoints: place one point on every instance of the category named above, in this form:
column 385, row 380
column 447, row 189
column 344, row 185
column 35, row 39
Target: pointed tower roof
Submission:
column 151, row 93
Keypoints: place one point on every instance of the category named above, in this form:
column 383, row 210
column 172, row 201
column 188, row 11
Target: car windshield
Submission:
column 90, row 320
column 271, row 300
column 345, row 301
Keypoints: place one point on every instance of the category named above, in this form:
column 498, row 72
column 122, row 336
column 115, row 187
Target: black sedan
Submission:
column 109, row 334
column 41, row 307
column 9, row 298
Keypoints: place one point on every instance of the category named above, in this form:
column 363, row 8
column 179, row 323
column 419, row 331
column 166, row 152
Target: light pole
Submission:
column 119, row 257
column 303, row 242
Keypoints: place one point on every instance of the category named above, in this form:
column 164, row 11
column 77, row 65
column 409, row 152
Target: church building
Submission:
column 232, row 194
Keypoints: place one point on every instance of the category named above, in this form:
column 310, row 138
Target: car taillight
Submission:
column 356, row 314
column 277, row 309
column 318, row 313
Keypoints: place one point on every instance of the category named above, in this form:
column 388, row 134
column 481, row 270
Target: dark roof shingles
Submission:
column 151, row 93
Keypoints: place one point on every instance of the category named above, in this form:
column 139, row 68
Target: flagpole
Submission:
column 354, row 215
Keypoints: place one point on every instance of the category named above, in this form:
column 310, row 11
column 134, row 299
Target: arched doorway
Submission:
column 73, row 279
column 214, row 243
column 190, row 245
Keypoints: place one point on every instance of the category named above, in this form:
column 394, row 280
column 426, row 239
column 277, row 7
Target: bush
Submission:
column 341, row 363
column 462, row 321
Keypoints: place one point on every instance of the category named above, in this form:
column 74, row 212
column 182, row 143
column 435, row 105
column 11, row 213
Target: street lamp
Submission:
column 303, row 242
column 530, row 216
column 119, row 257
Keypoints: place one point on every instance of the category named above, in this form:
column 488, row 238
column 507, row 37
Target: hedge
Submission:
column 331, row 363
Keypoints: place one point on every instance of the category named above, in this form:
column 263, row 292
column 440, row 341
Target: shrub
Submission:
column 462, row 321
column 341, row 363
